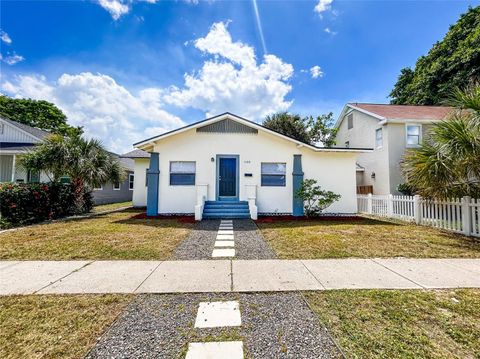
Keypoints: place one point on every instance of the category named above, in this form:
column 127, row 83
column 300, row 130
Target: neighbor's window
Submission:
column 350, row 121
column 131, row 179
column 413, row 135
column 116, row 186
column 182, row 173
column 100, row 188
column 273, row 174
column 378, row 138
column 33, row 176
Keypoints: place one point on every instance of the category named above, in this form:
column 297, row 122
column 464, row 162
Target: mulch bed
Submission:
column 273, row 219
column 180, row 218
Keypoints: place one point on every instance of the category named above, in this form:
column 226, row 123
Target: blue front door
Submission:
column 227, row 178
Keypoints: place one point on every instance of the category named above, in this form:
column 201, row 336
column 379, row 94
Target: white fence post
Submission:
column 369, row 204
column 417, row 209
column 390, row 205
column 466, row 218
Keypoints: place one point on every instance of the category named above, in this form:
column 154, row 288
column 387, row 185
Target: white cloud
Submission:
column 316, row 72
column 116, row 8
column 107, row 110
column 12, row 59
column 330, row 31
column 4, row 37
column 323, row 5
column 231, row 80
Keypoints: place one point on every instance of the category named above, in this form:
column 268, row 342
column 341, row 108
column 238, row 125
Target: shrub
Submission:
column 26, row 203
column 406, row 189
column 315, row 200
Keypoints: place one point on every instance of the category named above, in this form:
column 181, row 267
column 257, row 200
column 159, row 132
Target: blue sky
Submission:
column 127, row 70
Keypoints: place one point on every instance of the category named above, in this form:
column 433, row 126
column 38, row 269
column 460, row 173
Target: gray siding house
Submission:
column 117, row 192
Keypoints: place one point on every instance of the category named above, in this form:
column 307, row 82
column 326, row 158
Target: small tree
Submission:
column 315, row 200
column 86, row 162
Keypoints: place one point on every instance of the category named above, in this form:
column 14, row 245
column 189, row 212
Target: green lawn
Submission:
column 402, row 324
column 364, row 238
column 111, row 206
column 116, row 235
column 51, row 326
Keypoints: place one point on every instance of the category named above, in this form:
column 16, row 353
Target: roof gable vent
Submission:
column 227, row 126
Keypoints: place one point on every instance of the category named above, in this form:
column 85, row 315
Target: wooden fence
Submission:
column 460, row 215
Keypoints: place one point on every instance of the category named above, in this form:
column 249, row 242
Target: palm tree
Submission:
column 447, row 164
column 86, row 162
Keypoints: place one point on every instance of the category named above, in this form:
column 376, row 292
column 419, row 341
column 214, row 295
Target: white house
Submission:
column 17, row 139
column 390, row 130
column 227, row 166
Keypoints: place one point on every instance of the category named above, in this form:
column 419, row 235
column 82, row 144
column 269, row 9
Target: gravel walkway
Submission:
column 249, row 243
column 278, row 325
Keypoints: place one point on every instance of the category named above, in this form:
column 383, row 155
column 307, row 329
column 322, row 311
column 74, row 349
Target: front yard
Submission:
column 51, row 326
column 402, row 324
column 106, row 236
column 363, row 238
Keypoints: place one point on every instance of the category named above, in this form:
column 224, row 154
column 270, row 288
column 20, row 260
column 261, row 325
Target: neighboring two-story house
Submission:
column 17, row 139
column 390, row 130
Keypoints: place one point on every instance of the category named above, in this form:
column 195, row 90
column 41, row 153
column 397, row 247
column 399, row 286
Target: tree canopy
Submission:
column 453, row 62
column 305, row 129
column 40, row 114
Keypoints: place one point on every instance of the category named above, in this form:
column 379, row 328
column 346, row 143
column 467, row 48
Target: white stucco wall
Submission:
column 334, row 171
column 139, row 198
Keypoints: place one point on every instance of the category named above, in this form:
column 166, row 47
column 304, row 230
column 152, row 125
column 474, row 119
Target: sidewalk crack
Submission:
column 401, row 275
column 65, row 276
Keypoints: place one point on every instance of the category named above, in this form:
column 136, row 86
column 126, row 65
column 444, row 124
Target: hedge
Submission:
column 26, row 203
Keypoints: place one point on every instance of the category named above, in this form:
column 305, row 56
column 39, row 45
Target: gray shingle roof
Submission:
column 36, row 132
column 136, row 154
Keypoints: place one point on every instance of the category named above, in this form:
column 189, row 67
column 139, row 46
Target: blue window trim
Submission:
column 172, row 175
column 283, row 177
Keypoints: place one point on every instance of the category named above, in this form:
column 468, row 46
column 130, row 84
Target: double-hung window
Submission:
column 378, row 138
column 116, row 186
column 413, row 135
column 182, row 173
column 131, row 180
column 274, row 174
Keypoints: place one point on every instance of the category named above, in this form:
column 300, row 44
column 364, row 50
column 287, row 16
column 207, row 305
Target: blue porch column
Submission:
column 297, row 182
column 153, row 173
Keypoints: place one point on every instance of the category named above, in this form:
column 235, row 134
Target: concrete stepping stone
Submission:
column 218, row 314
column 223, row 252
column 215, row 350
column 222, row 237
column 226, row 221
column 225, row 231
column 229, row 227
column 225, row 244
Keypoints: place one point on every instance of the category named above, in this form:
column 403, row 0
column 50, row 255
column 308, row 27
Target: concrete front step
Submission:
column 226, row 209
column 225, row 216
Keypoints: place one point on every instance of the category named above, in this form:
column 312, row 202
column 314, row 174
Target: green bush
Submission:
column 406, row 189
column 315, row 200
column 26, row 203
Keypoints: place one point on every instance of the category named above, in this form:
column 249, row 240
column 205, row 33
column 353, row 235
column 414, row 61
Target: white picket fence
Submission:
column 460, row 215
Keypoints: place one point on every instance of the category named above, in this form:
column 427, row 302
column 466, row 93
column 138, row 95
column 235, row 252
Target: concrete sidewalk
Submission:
column 61, row 277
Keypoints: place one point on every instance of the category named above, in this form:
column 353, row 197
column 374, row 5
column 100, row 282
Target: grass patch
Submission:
column 107, row 236
column 111, row 206
column 50, row 326
column 402, row 324
column 364, row 238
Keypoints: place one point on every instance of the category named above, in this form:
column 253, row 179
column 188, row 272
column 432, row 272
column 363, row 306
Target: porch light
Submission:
column 373, row 175
column 212, row 159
